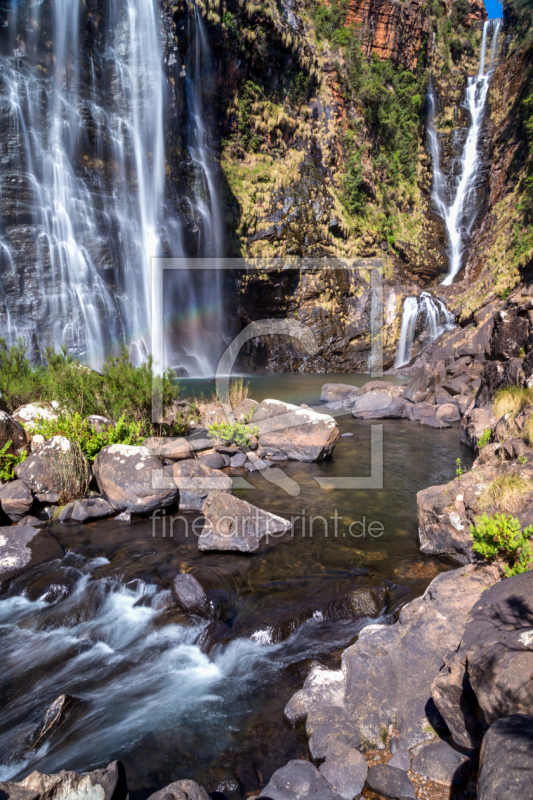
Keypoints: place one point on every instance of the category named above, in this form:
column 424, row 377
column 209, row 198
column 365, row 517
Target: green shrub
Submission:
column 484, row 438
column 8, row 462
column 501, row 535
column 80, row 432
column 237, row 432
column 120, row 389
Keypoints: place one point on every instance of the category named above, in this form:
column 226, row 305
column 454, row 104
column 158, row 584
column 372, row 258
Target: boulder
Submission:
column 27, row 415
column 464, row 403
column 299, row 434
column 448, row 413
column 245, row 410
column 174, row 448
column 195, row 480
column 509, row 335
column 345, row 769
column 14, row 553
column 12, row 431
column 234, row 524
column 388, row 672
column 86, row 510
column 54, row 469
column 439, row 762
column 238, row 460
column 128, row 479
column 390, row 782
column 181, row 790
column 100, row 424
column 14, row 791
column 401, row 760
column 421, row 384
column 506, row 759
column 491, row 674
column 378, row 405
column 322, row 688
column 474, row 424
column 442, row 397
column 190, row 596
column 418, row 411
column 443, row 526
column 16, row 500
column 339, row 391
column 329, row 726
column 299, row 780
column 105, row 784
column 214, row 460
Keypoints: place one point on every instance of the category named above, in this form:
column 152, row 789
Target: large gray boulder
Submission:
column 234, row 524
column 421, row 384
column 380, row 405
column 130, row 479
column 195, row 480
column 300, row 434
column 16, row 500
column 474, row 424
column 57, row 468
column 345, row 769
column 104, row 784
column 443, row 523
column 27, row 415
column 299, row 780
column 506, row 760
column 491, row 674
column 12, row 431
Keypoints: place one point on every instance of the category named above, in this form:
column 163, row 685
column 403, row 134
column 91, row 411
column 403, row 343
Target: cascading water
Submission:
column 457, row 204
column 424, row 318
column 83, row 187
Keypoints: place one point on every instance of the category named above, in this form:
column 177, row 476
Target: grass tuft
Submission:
column 505, row 494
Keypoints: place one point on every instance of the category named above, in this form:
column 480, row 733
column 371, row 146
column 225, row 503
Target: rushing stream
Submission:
column 98, row 622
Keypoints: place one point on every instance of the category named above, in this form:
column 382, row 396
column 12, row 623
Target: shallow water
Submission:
column 97, row 623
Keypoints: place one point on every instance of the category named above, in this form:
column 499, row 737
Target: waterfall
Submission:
column 457, row 204
column 83, row 118
column 423, row 318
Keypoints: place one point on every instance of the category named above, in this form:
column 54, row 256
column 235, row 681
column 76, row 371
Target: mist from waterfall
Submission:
column 87, row 143
column 424, row 318
column 456, row 201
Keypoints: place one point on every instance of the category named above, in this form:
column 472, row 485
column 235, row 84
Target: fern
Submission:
column 8, row 462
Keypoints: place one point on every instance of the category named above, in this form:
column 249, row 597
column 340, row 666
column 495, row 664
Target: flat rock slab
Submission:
column 234, row 524
column 345, row 769
column 506, row 760
column 299, row 780
column 390, row 782
column 300, row 434
column 439, row 762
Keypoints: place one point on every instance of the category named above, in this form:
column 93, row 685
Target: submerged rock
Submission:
column 299, row 780
column 60, row 713
column 216, row 633
column 188, row 593
column 234, row 524
column 127, row 477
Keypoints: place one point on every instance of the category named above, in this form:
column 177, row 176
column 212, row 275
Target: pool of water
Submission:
column 98, row 623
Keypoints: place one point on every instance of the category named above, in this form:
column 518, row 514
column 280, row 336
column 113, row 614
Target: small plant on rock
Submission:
column 8, row 462
column 501, row 535
column 484, row 438
column 238, row 432
column 459, row 467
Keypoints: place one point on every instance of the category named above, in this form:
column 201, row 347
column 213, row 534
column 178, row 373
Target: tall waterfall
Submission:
column 456, row 203
column 83, row 121
column 423, row 319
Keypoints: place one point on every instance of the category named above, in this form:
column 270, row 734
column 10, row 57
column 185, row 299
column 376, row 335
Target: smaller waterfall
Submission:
column 424, row 318
column 458, row 208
